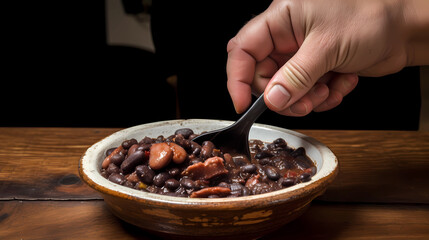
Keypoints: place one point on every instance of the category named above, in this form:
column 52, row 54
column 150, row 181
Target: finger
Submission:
column 344, row 82
column 252, row 44
column 298, row 75
column 339, row 86
column 240, row 68
column 265, row 70
column 317, row 95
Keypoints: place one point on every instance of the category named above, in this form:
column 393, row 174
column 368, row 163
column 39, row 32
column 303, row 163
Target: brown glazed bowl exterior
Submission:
column 228, row 218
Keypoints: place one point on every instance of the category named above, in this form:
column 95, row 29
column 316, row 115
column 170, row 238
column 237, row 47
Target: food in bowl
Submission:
column 247, row 217
column 177, row 166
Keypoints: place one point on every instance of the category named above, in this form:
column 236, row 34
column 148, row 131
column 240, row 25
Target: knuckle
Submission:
column 232, row 43
column 297, row 76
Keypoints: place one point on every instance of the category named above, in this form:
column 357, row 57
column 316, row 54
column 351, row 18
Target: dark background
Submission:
column 59, row 71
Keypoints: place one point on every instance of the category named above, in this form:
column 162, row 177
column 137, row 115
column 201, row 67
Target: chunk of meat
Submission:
column 253, row 181
column 205, row 192
column 212, row 167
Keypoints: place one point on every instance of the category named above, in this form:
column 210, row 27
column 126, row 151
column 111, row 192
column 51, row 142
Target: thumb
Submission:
column 297, row 76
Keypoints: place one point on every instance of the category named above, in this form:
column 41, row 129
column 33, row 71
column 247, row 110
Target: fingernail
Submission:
column 278, row 96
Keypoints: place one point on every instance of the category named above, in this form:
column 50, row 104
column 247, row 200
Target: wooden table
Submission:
column 381, row 192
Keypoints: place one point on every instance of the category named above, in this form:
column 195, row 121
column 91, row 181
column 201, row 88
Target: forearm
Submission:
column 416, row 20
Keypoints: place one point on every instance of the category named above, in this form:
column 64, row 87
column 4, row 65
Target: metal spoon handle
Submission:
column 253, row 113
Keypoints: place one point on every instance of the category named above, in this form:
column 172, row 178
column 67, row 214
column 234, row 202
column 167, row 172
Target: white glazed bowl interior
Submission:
column 323, row 157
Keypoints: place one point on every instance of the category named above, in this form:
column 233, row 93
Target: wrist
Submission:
column 416, row 31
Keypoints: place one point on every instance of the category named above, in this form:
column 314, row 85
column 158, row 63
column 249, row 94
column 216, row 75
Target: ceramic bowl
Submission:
column 242, row 217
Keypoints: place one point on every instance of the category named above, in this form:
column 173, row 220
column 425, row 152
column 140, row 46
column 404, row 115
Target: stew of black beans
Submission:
column 177, row 166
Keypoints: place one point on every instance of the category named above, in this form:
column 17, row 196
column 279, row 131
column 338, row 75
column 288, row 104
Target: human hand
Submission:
column 306, row 55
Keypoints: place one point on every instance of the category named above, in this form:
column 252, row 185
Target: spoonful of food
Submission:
column 235, row 138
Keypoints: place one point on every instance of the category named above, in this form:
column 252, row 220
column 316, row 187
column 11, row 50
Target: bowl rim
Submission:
column 316, row 185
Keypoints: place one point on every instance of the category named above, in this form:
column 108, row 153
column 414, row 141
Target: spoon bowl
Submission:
column 235, row 138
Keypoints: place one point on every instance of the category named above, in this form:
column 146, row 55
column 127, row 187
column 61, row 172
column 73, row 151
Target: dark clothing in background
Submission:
column 61, row 72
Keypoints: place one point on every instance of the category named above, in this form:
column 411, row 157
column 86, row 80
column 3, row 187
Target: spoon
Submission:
column 235, row 138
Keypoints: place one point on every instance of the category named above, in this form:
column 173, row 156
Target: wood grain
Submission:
column 378, row 166
column 375, row 166
column 91, row 220
column 41, row 163
column 378, row 170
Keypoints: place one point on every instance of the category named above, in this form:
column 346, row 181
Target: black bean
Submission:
column 144, row 147
column 196, row 151
column 160, row 139
column 249, row 168
column 272, row 173
column 264, row 161
column 128, row 143
column 187, row 183
column 245, row 191
column 303, row 162
column 195, row 145
column 170, row 138
column 117, row 178
column 112, row 168
column 207, row 149
column 305, row 177
column 287, row 182
column 132, row 161
column 109, row 151
column 172, row 184
column 181, row 141
column 240, row 160
column 117, row 159
column 160, row 178
column 174, row 172
column 146, row 140
column 186, row 132
column 145, row 174
column 298, row 152
column 280, row 142
column 200, row 184
column 104, row 173
column 263, row 154
column 129, row 184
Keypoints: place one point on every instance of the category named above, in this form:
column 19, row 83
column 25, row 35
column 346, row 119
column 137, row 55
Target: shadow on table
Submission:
column 311, row 225
column 131, row 231
column 136, row 232
column 314, row 224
